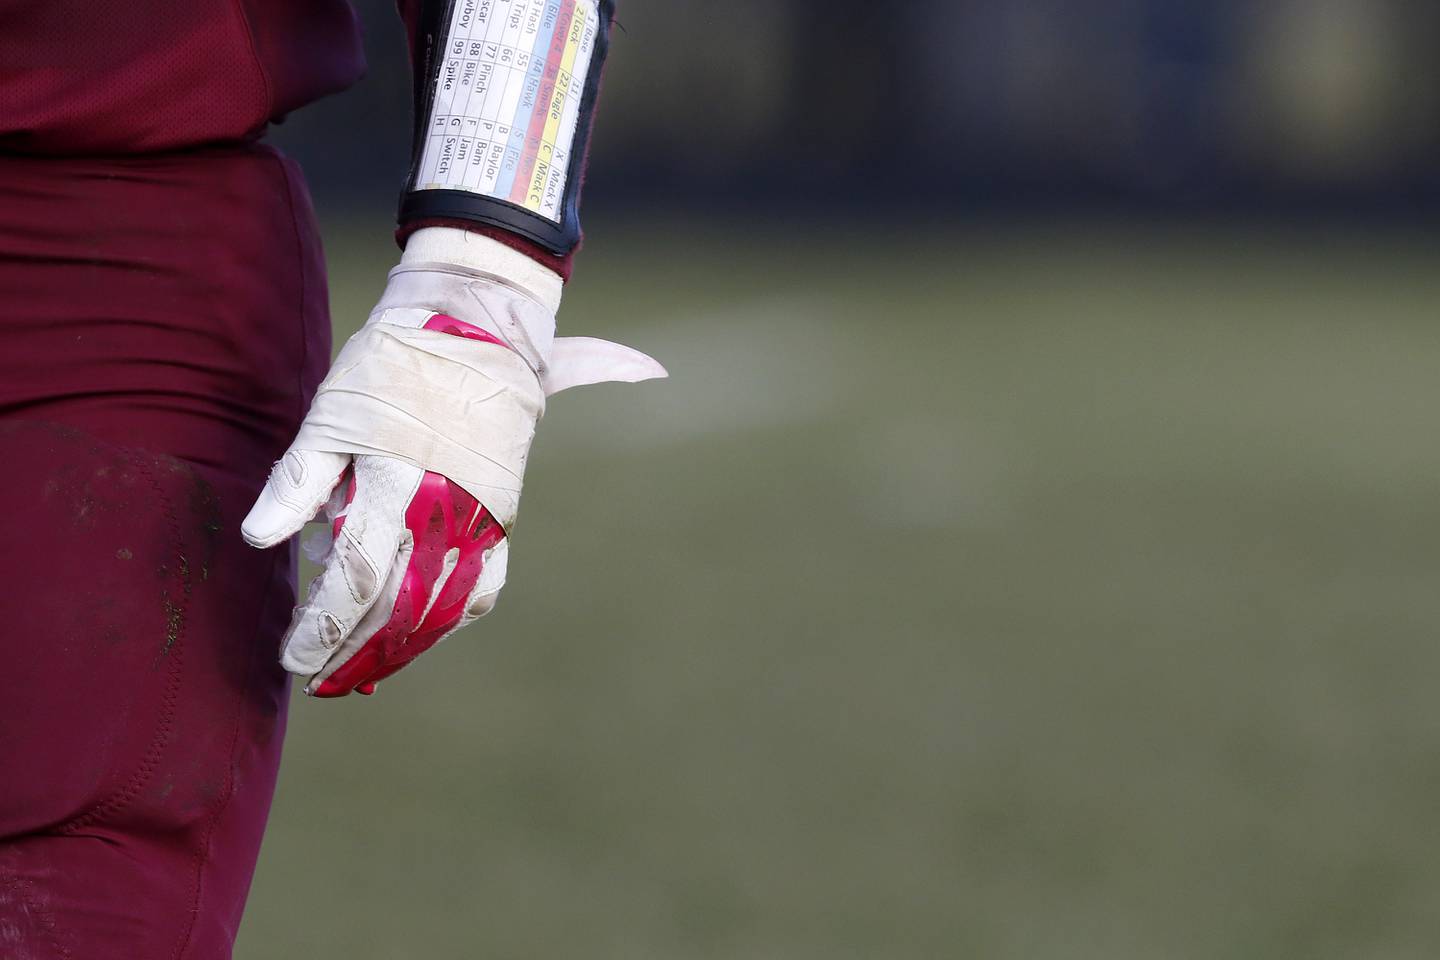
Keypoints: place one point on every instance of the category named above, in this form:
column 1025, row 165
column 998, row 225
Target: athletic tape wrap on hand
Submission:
column 428, row 412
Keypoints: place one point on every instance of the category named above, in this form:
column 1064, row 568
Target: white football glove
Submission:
column 427, row 413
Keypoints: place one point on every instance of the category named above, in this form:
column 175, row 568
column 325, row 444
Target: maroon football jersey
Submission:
column 135, row 76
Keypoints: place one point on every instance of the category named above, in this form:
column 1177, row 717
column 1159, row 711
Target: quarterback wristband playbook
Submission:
column 505, row 91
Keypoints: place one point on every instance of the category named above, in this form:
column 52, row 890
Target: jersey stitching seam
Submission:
column 267, row 88
column 300, row 409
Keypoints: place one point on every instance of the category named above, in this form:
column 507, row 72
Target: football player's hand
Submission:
column 415, row 449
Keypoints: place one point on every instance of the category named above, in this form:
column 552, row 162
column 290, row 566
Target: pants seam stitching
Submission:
column 176, row 618
column 228, row 794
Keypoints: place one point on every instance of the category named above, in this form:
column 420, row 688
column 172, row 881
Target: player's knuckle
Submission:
column 362, row 579
column 481, row 605
column 330, row 629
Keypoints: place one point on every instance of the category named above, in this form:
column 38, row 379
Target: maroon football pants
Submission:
column 163, row 324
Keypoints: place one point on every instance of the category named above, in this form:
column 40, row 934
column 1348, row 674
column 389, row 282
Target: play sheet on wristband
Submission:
column 507, row 100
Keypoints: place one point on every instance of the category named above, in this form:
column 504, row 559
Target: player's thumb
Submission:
column 299, row 485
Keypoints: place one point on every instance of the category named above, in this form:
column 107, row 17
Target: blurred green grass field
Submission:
column 1029, row 592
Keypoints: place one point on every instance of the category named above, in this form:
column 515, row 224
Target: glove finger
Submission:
column 486, row 591
column 427, row 596
column 469, row 592
column 357, row 568
column 299, row 484
column 362, row 653
column 479, row 601
column 476, row 571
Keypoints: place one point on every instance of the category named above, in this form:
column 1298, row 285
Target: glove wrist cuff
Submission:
column 474, row 251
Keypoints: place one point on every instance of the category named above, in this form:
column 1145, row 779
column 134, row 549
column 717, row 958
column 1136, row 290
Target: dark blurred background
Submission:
column 938, row 107
column 1033, row 554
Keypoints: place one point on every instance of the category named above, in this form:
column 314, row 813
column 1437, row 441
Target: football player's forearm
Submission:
column 505, row 93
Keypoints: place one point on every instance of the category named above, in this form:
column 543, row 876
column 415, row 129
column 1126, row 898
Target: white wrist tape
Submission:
column 464, row 287
column 458, row 407
column 477, row 252
column 463, row 408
